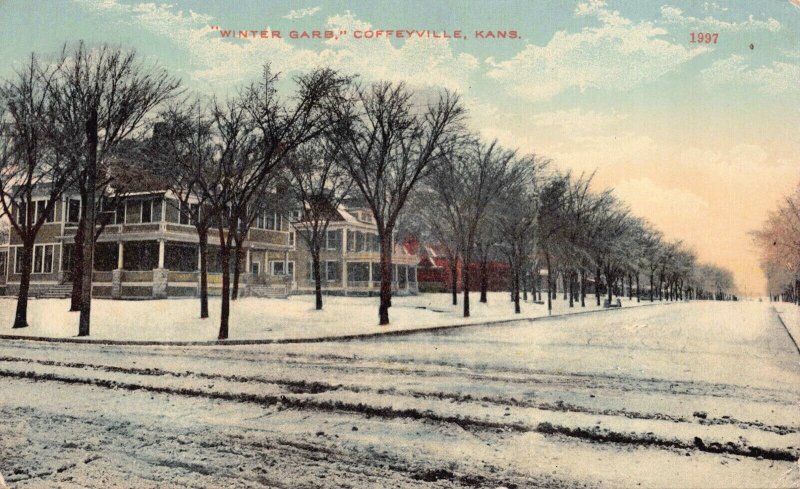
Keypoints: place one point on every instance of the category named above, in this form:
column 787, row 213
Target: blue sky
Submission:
column 699, row 138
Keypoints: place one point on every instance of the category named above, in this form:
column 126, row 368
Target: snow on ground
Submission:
column 259, row 318
column 692, row 395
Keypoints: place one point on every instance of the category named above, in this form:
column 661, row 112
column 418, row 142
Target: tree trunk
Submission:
column 454, row 279
column 525, row 286
column 517, row 309
column 237, row 270
column 484, row 280
column 76, row 274
column 630, row 287
column 597, row 285
column 89, row 224
column 317, row 279
column 583, row 288
column 203, row 236
column 651, row 286
column 610, row 281
column 465, row 285
column 571, row 291
column 225, row 308
column 21, row 316
column 549, row 284
column 386, row 277
column 638, row 289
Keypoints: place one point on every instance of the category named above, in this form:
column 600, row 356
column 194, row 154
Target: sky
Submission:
column 699, row 138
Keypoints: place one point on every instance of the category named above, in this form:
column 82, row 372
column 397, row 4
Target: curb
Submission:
column 319, row 339
column 786, row 328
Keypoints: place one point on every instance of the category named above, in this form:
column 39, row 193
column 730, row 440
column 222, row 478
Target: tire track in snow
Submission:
column 594, row 434
column 316, row 387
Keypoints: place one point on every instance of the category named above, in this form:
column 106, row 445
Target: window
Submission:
column 18, row 259
column 3, row 260
column 361, row 244
column 333, row 271
column 291, row 239
column 296, row 215
column 147, row 211
column 21, row 213
column 269, row 220
column 108, row 213
column 334, row 240
column 279, row 267
column 74, row 211
column 120, row 213
column 351, row 240
column 42, row 258
column 151, row 210
column 41, row 206
column 188, row 213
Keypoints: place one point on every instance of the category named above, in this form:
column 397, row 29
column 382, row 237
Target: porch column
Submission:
column 286, row 262
column 247, row 261
column 161, row 246
column 120, row 255
column 407, row 284
column 344, row 274
column 370, row 274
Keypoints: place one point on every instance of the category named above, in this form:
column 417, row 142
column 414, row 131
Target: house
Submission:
column 436, row 272
column 147, row 249
column 350, row 258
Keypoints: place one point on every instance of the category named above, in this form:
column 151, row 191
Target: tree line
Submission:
column 486, row 201
column 778, row 241
column 97, row 120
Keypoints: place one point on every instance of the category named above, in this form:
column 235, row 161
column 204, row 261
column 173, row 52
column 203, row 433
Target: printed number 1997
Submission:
column 705, row 37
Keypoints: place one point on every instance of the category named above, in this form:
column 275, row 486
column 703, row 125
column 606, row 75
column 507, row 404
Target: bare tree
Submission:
column 465, row 182
column 389, row 144
column 779, row 243
column 550, row 225
column 255, row 131
column 103, row 97
column 182, row 152
column 318, row 185
column 517, row 225
column 29, row 166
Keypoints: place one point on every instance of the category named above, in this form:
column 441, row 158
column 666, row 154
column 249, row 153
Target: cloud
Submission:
column 300, row 13
column 618, row 55
column 674, row 15
column 576, row 121
column 776, row 78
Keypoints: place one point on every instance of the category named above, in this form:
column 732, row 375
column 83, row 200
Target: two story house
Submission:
column 350, row 258
column 147, row 249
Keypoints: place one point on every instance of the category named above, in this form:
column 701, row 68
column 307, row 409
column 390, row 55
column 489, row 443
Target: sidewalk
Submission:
column 254, row 320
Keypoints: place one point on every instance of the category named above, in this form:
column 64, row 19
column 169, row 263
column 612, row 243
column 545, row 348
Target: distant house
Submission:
column 435, row 272
column 350, row 258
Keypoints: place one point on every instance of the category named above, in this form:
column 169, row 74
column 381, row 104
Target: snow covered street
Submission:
column 701, row 394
